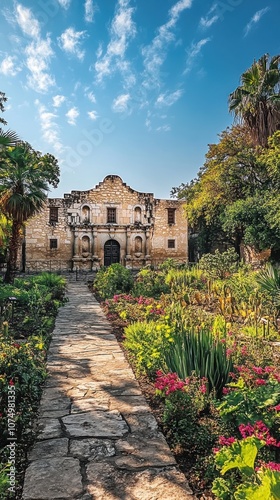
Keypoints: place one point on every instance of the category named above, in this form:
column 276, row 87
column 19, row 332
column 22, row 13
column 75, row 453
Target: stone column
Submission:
column 94, row 245
column 76, row 243
column 128, row 243
column 148, row 244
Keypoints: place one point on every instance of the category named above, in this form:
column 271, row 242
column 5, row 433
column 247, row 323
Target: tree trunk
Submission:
column 13, row 252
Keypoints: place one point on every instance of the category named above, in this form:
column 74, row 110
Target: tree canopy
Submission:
column 256, row 102
column 25, row 176
column 235, row 197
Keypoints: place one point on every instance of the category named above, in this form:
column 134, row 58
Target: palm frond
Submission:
column 8, row 138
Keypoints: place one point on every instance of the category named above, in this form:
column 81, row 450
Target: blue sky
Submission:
column 127, row 87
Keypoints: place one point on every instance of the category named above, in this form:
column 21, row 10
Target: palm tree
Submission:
column 23, row 192
column 256, row 102
column 8, row 138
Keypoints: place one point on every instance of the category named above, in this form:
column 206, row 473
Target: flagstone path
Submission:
column 97, row 438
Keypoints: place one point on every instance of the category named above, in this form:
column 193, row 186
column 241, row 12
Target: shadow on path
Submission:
column 97, row 438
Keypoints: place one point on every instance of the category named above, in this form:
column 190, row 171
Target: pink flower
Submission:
column 229, row 352
column 223, row 441
column 269, row 369
column 276, row 408
column 272, row 466
column 203, row 389
column 257, row 369
column 225, row 390
column 260, row 381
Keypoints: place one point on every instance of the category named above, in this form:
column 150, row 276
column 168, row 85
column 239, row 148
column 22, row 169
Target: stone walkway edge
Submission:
column 97, row 438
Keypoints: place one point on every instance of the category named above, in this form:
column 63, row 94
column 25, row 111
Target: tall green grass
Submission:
column 199, row 352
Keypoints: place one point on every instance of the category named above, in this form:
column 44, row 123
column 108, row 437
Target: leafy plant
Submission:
column 146, row 341
column 150, row 283
column 112, row 280
column 219, row 264
column 254, row 396
column 201, row 353
column 269, row 282
column 249, row 484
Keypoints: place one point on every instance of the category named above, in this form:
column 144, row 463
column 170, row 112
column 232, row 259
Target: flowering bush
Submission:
column 253, row 396
column 243, row 477
column 146, row 342
column 130, row 309
column 186, row 406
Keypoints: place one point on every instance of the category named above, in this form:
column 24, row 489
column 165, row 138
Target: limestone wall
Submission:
column 78, row 236
column 164, row 232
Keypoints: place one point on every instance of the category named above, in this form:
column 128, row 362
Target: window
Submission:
column 170, row 243
column 53, row 244
column 111, row 215
column 53, row 214
column 171, row 215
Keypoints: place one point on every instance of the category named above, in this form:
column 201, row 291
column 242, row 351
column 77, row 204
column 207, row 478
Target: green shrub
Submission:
column 146, row 342
column 219, row 264
column 150, row 284
column 184, row 279
column 113, row 280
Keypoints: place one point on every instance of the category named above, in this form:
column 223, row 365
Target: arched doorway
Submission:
column 111, row 252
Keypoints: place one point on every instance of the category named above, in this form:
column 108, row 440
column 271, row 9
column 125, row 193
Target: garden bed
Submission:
column 217, row 393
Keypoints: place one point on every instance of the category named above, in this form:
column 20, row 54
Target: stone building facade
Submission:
column 109, row 223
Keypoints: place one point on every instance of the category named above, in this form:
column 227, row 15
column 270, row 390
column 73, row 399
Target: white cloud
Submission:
column 70, row 41
column 27, row 22
column 93, row 115
column 38, row 52
column 255, row 19
column 122, row 30
column 164, row 128
column 50, row 129
column 194, row 51
column 90, row 10
column 168, row 99
column 72, row 115
column 64, row 3
column 9, row 67
column 210, row 18
column 38, row 55
column 91, row 97
column 120, row 104
column 58, row 100
column 155, row 53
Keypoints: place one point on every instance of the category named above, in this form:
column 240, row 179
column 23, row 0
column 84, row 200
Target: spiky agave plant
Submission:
column 269, row 282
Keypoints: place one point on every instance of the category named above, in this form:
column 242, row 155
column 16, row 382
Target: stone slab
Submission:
column 49, row 428
column 129, row 404
column 51, row 479
column 105, row 483
column 139, row 452
column 49, row 448
column 97, row 403
column 92, row 449
column 96, row 424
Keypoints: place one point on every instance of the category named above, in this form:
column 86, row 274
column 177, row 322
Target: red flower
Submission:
column 257, row 369
column 223, row 441
column 272, row 466
column 260, row 381
column 11, row 382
